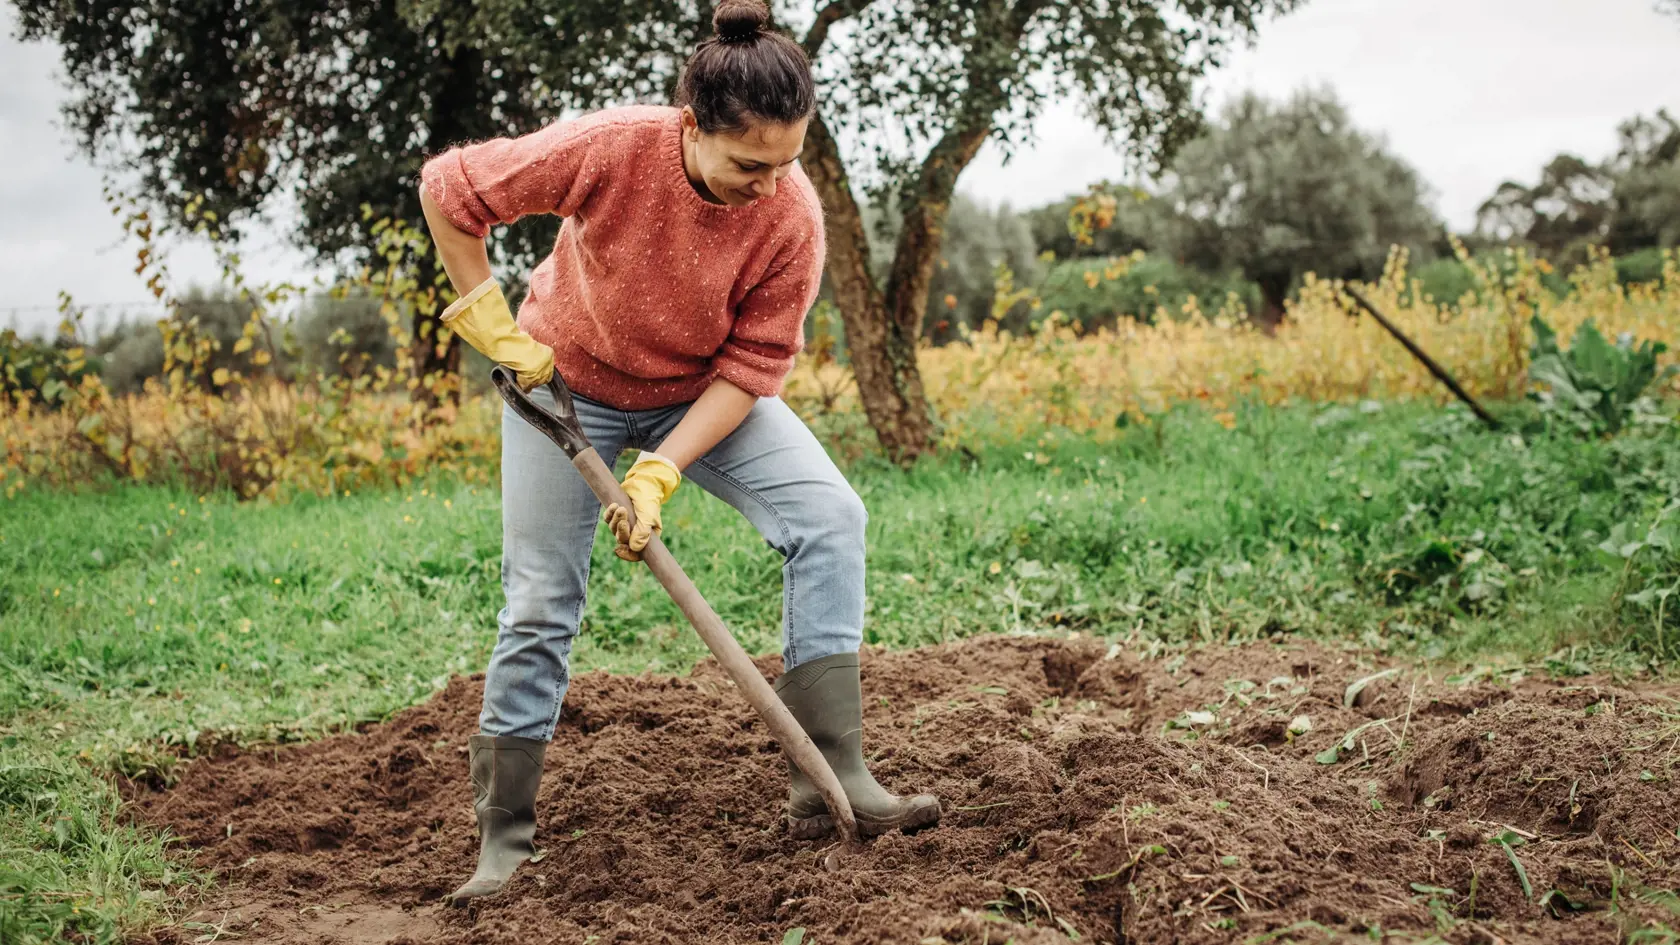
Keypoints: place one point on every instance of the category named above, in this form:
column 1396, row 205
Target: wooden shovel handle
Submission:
column 564, row 429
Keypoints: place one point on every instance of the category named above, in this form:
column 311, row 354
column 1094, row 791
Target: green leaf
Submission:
column 1549, row 901
column 1509, row 838
column 1645, row 597
column 1329, row 756
column 1621, row 543
column 1516, row 864
column 1597, row 364
column 1351, row 695
column 1545, row 339
column 794, row 936
column 1596, row 384
column 1553, row 371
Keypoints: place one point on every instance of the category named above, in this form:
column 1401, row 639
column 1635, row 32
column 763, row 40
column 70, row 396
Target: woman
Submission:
column 672, row 306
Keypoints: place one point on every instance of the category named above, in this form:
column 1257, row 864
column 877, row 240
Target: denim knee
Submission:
column 838, row 515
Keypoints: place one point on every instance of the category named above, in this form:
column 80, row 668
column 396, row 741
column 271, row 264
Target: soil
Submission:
column 1082, row 802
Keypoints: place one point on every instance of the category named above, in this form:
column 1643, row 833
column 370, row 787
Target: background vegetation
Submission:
column 1150, row 413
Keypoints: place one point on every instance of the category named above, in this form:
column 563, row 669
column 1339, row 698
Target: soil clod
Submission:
column 1089, row 796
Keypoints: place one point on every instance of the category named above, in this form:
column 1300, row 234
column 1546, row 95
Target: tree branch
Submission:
column 848, row 247
column 831, row 13
column 923, row 225
column 882, row 357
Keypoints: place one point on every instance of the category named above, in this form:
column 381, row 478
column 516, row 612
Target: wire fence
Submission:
column 41, row 322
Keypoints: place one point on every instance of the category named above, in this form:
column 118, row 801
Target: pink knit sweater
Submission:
column 650, row 291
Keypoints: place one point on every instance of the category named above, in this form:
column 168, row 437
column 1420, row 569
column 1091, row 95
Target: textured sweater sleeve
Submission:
column 770, row 322
column 551, row 170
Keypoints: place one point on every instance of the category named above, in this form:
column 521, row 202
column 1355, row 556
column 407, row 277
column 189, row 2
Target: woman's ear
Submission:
column 690, row 124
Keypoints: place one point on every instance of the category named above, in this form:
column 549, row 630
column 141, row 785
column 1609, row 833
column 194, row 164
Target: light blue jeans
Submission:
column 771, row 468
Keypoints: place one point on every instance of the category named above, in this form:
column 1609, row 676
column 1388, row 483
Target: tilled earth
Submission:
column 1249, row 794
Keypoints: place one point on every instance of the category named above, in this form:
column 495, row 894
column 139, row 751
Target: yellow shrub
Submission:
column 1322, row 352
column 261, row 441
column 238, row 428
column 256, row 436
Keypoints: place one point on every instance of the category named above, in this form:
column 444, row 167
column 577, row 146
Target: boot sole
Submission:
column 814, row 828
column 470, row 894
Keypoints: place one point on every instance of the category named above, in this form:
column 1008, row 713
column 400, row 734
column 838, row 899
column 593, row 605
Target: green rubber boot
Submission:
column 505, row 774
column 826, row 698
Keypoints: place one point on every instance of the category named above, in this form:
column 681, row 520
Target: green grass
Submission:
column 139, row 624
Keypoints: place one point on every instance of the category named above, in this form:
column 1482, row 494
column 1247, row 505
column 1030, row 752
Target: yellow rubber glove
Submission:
column 482, row 318
column 649, row 485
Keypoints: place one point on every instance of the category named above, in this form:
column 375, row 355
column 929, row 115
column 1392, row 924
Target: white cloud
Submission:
column 1471, row 92
column 56, row 231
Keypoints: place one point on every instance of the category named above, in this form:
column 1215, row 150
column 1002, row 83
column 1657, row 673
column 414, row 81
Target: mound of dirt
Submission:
column 1264, row 793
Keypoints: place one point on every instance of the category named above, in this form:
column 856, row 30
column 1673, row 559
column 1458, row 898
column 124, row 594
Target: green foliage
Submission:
column 1144, row 289
column 1645, row 265
column 1445, row 281
column 344, row 335
column 232, row 103
column 1280, row 189
column 1646, row 171
column 1650, row 556
column 42, row 371
column 1629, row 202
column 977, row 239
column 1139, row 223
column 1568, row 210
column 1595, row 386
column 1407, row 528
column 1448, row 281
column 71, row 868
column 130, row 352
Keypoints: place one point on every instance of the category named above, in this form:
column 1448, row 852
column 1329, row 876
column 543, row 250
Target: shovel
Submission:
column 563, row 428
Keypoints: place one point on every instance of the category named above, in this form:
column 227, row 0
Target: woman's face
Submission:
column 737, row 169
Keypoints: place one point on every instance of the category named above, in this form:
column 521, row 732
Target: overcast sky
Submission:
column 1471, row 92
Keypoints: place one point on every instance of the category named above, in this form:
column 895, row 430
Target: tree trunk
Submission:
column 457, row 115
column 923, row 229
column 882, row 330
column 883, row 355
column 1274, row 289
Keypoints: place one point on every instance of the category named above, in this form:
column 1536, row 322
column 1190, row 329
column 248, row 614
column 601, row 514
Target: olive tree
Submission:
column 338, row 102
column 1279, row 189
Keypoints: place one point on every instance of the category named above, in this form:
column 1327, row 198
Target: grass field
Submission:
column 141, row 624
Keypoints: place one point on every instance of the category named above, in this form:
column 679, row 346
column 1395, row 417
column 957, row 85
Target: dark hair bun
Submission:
column 740, row 20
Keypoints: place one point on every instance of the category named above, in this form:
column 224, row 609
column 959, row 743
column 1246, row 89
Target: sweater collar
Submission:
column 674, row 156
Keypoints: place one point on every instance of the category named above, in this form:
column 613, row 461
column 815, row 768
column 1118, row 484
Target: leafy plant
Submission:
column 1508, row 840
column 220, row 416
column 1650, row 572
column 1096, row 293
column 1596, row 385
column 44, row 371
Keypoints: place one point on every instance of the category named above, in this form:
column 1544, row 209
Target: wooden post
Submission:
column 1428, row 362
